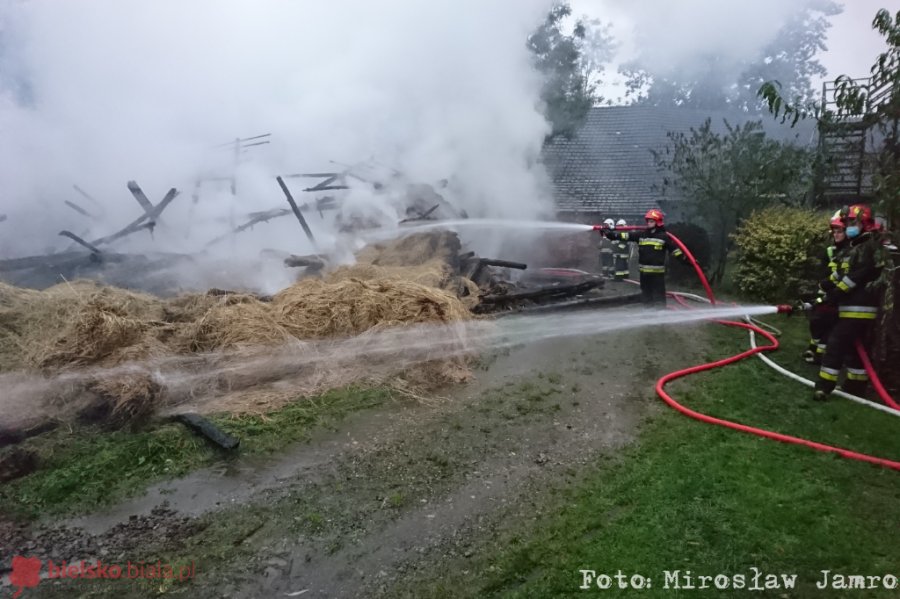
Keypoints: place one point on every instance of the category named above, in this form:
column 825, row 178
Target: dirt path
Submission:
column 357, row 511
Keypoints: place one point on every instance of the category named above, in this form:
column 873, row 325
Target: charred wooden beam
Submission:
column 27, row 262
column 470, row 268
column 545, row 292
column 205, row 427
column 138, row 224
column 503, row 263
column 322, row 184
column 11, row 436
column 256, row 218
column 263, row 217
column 572, row 304
column 58, row 262
column 16, row 463
column 314, row 262
column 326, row 187
column 312, row 175
column 80, row 241
column 421, row 216
column 78, row 209
column 87, row 196
column 297, row 213
column 140, row 196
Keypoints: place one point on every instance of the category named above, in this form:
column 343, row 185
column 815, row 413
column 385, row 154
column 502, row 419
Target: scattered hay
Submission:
column 227, row 326
column 80, row 325
column 313, row 309
column 125, row 398
column 98, row 330
column 433, row 273
column 413, row 250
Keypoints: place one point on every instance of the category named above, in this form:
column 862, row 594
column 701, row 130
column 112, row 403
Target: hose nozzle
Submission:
column 600, row 228
column 785, row 309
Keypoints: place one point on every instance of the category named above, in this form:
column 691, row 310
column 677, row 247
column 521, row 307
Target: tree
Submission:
column 570, row 65
column 876, row 102
column 722, row 178
column 712, row 83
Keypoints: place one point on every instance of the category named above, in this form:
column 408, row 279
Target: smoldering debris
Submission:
column 93, row 352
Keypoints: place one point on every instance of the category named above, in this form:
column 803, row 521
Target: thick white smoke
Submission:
column 685, row 39
column 99, row 92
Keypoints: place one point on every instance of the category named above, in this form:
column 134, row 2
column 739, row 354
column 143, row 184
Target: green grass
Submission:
column 696, row 497
column 84, row 468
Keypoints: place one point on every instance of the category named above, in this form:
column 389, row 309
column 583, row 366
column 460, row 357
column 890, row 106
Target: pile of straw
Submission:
column 314, row 309
column 79, row 325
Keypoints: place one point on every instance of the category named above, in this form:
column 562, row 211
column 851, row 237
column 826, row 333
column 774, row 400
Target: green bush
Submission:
column 696, row 239
column 780, row 253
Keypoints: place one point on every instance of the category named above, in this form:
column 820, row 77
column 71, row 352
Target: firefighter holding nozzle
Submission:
column 823, row 316
column 654, row 245
column 855, row 294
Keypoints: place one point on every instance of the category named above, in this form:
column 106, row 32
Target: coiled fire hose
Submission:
column 773, row 345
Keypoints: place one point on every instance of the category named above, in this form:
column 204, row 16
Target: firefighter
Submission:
column 823, row 316
column 856, row 297
column 621, row 253
column 653, row 245
column 607, row 259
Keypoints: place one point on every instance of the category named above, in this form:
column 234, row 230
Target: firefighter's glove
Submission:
column 802, row 306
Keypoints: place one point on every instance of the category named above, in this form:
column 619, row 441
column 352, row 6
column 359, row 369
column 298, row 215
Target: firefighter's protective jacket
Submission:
column 621, row 253
column 653, row 245
column 835, row 256
column 856, row 293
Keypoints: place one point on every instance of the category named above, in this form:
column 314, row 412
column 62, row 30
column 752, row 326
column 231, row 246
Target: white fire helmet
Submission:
column 621, row 222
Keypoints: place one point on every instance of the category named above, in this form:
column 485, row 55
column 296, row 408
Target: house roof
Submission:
column 607, row 166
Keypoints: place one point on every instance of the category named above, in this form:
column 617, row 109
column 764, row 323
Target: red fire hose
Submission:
column 873, row 376
column 661, row 383
column 660, row 390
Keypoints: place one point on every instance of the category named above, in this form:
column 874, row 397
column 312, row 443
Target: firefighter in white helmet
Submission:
column 607, row 257
column 621, row 253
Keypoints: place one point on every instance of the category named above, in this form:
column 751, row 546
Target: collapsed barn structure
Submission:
column 94, row 335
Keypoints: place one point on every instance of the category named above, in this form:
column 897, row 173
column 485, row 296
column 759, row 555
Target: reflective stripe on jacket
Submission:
column 653, row 246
